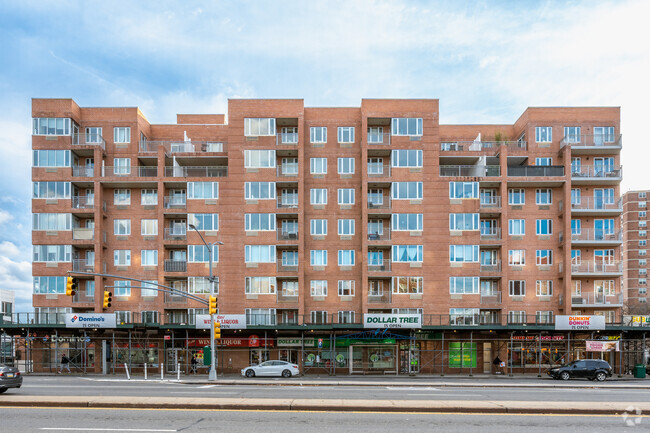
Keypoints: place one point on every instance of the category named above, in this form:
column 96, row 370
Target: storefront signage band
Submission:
column 602, row 346
column 392, row 321
column 227, row 321
column 579, row 323
column 90, row 320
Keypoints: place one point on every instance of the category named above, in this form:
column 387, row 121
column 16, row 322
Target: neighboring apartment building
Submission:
column 635, row 260
column 327, row 214
column 7, row 302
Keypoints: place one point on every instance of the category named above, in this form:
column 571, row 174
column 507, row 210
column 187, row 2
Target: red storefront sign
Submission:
column 252, row 341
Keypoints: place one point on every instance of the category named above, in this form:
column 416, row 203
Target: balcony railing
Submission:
column 493, row 297
column 383, row 236
column 177, row 297
column 286, row 267
column 83, row 265
column 175, row 266
column 88, row 140
column 288, row 201
column 378, row 138
column 598, row 203
column 597, row 235
column 186, row 171
column 172, row 234
column 591, row 267
column 491, row 234
column 286, row 235
column 375, row 203
column 592, row 140
column 477, row 146
column 175, row 202
column 83, row 201
column 83, row 171
column 83, row 234
column 536, row 170
column 491, row 267
column 183, row 146
column 81, row 297
column 378, row 170
column 137, row 171
column 383, row 297
column 599, row 173
column 599, row 299
column 470, row 170
column 286, row 139
column 490, row 202
column 286, row 297
column 379, row 265
column 287, row 170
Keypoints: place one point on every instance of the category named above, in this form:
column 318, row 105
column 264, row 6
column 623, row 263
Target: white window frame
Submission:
column 318, row 287
column 122, row 134
column 346, row 196
column 256, row 254
column 121, row 257
column 346, row 287
column 259, row 158
column 118, row 200
column 345, row 134
column 544, row 134
column 543, row 196
column 149, row 197
column 544, row 288
column 517, row 257
column 346, row 257
column 122, row 227
column 318, row 227
column 259, row 127
column 407, row 158
column 254, row 190
column 518, row 224
column 517, row 287
column 318, row 254
column 149, row 227
column 346, row 227
column 261, row 285
column 318, row 134
column 407, row 126
column 149, row 258
column 318, row 193
column 397, row 190
column 345, row 165
column 468, row 285
column 254, row 222
column 318, row 165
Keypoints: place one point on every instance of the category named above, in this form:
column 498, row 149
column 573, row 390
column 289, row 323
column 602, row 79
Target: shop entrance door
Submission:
column 173, row 357
column 289, row 355
column 257, row 356
column 409, row 358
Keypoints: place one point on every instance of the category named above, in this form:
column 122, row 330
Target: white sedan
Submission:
column 271, row 368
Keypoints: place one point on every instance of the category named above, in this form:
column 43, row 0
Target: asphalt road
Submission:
column 84, row 386
column 111, row 420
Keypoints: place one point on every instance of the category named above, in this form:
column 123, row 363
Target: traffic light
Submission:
column 212, row 305
column 217, row 330
column 107, row 299
column 71, row 286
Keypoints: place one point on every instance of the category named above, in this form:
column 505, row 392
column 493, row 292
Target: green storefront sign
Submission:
column 340, row 342
column 462, row 355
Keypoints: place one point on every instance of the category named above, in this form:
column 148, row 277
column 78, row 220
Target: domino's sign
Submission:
column 90, row 320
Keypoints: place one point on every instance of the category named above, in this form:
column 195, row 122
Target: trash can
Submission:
column 639, row 371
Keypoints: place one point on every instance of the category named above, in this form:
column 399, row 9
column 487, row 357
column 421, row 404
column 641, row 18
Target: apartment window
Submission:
column 346, row 317
column 516, row 196
column 642, row 214
column 346, row 195
column 51, row 190
column 122, row 135
column 255, row 127
column 346, row 257
column 52, row 221
column 375, row 288
column 318, row 317
column 375, row 165
column 643, row 223
column 517, row 287
column 576, row 226
column 259, row 158
column 318, row 134
column 346, row 165
column 260, row 253
column 406, row 126
column 576, row 287
column 346, row 287
column 122, row 258
column 543, row 134
column 318, row 196
column 290, row 288
column 544, row 317
column 204, row 221
column 260, row 285
column 375, row 135
column 517, row 227
column 122, row 197
column 290, row 258
column 122, row 227
column 463, row 190
column 208, row 190
column 642, row 243
column 346, row 227
column 603, row 134
column 51, row 158
column 410, row 285
column 643, row 282
column 544, row 161
column 200, row 286
column 260, row 222
column 463, row 221
column 407, row 253
column 544, row 227
column 375, row 228
column 51, row 285
column 121, row 166
column 149, row 257
column 318, row 165
column 543, row 196
column 122, row 287
column 346, row 134
column 517, row 257
column 318, row 287
column 50, row 126
column 516, row 317
column 642, row 195
column 642, row 252
column 408, row 158
column 260, row 316
column 464, row 316
column 642, row 233
column 464, row 285
column 149, row 197
column 576, row 257
column 407, row 190
column 544, row 288
column 407, row 221
column 576, row 165
column 544, row 257
column 642, row 204
column 260, row 190
column 318, row 227
column 52, row 253
column 464, row 253
column 576, row 196
column 200, row 254
column 572, row 134
column 318, row 257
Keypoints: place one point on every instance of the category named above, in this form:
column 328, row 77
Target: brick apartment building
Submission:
column 326, row 215
column 635, row 261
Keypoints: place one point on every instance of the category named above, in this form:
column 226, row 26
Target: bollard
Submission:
column 128, row 376
column 178, row 371
column 145, row 371
column 162, row 371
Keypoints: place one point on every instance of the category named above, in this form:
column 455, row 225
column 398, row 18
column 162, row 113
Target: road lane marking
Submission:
column 102, row 429
column 207, row 386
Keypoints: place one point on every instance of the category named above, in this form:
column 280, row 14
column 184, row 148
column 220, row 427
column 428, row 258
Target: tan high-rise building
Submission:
column 635, row 260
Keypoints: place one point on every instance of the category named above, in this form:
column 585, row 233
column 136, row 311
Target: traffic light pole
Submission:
column 212, row 375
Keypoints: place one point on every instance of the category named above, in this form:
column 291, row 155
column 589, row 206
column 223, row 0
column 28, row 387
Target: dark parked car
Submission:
column 585, row 368
column 10, row 377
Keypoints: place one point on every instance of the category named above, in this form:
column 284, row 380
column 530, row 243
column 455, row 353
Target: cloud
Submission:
column 16, row 275
column 4, row 216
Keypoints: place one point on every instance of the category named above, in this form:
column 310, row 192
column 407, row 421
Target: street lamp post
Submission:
column 212, row 376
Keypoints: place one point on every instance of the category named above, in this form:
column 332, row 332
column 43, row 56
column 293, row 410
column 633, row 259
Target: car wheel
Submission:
column 250, row 373
column 564, row 375
column 600, row 376
column 3, row 390
column 286, row 373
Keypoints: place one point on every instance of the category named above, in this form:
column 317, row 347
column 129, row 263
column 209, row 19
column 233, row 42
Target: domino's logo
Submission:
column 73, row 319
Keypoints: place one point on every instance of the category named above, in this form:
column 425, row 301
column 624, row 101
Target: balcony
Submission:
column 173, row 234
column 596, row 237
column 88, row 140
column 379, row 265
column 287, row 297
column 470, row 170
column 597, row 300
column 490, row 203
column 376, row 170
column 137, row 171
column 588, row 144
column 491, row 234
column 177, row 297
column 377, row 237
column 185, row 171
column 480, row 146
column 287, row 170
column 83, row 234
column 379, row 297
column 81, row 297
column 286, row 235
column 597, row 206
column 287, row 267
column 286, row 139
column 83, row 202
column 175, row 202
column 493, row 297
column 586, row 175
column 83, row 265
column 83, row 171
column 175, row 265
column 378, row 138
column 536, row 171
column 596, row 268
column 491, row 267
column 287, row 201
column 377, row 203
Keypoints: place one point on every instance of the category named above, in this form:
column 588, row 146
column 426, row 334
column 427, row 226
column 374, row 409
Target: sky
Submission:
column 486, row 61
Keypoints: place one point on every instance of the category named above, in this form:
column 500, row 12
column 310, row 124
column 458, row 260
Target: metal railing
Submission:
column 83, row 265
column 615, row 300
column 380, row 298
column 282, row 296
column 383, row 236
column 589, row 171
column 137, row 171
column 286, row 267
column 493, row 297
column 490, row 202
column 378, row 170
column 83, row 171
column 286, row 139
column 491, row 267
column 173, row 234
column 598, row 203
column 287, row 170
column 83, row 201
column 175, row 202
column 379, row 265
column 378, row 138
column 186, row 171
column 285, row 235
column 83, row 234
column 81, row 297
column 385, row 203
column 183, row 146
column 287, row 201
column 597, row 235
column 592, row 140
column 175, row 265
column 491, row 234
column 593, row 267
column 88, row 140
column 477, row 146
column 536, row 170
column 470, row 170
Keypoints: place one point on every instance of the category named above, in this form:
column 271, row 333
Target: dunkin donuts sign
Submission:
column 580, row 323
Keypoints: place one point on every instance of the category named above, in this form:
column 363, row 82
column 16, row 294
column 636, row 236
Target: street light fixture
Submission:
column 212, row 376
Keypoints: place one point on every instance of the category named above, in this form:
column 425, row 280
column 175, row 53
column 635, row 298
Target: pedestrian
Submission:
column 195, row 363
column 65, row 363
